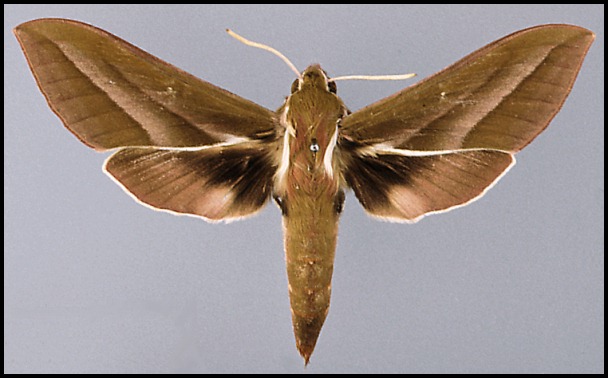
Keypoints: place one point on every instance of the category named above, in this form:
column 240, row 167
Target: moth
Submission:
column 185, row 146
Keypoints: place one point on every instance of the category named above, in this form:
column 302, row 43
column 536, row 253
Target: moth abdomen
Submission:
column 311, row 231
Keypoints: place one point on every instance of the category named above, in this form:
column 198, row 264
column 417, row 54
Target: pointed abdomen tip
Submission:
column 305, row 352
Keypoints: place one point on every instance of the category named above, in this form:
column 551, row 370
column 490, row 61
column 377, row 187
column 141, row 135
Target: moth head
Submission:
column 314, row 77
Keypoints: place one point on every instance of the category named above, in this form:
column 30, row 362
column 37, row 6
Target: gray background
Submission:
column 94, row 282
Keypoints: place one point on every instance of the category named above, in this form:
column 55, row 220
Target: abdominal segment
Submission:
column 310, row 242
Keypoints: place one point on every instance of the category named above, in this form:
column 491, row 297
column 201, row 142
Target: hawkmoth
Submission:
column 185, row 146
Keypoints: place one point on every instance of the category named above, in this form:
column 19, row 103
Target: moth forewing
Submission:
column 498, row 97
column 111, row 94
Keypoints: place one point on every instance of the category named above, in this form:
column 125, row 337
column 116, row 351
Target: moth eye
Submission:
column 331, row 86
column 314, row 146
column 295, row 86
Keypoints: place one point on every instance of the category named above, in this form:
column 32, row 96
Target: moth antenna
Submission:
column 267, row 48
column 373, row 77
